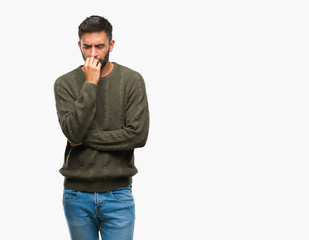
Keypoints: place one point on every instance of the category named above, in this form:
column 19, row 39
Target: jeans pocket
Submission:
column 123, row 195
column 70, row 195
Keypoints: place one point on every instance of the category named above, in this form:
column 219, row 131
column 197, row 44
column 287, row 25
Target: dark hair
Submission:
column 95, row 24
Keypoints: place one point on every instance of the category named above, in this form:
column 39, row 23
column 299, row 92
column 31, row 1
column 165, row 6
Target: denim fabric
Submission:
column 110, row 213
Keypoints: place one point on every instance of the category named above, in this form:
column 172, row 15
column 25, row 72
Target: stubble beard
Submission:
column 105, row 60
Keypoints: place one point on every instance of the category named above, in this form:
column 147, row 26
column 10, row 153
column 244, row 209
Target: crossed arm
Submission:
column 75, row 117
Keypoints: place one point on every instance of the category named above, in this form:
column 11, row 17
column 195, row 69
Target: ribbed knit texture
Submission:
column 111, row 119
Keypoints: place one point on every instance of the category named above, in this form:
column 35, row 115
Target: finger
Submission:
column 87, row 62
column 97, row 61
column 92, row 61
column 75, row 144
column 99, row 64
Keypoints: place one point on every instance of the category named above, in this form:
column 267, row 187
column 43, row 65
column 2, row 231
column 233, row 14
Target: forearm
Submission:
column 75, row 116
column 76, row 123
column 117, row 140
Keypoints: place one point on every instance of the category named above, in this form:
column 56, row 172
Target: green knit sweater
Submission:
column 111, row 119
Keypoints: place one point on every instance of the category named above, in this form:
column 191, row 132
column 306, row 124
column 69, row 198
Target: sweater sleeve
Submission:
column 135, row 132
column 75, row 114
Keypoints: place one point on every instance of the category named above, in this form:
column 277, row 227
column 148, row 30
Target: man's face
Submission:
column 96, row 45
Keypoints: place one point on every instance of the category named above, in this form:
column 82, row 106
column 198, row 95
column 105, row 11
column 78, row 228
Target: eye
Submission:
column 100, row 46
column 86, row 47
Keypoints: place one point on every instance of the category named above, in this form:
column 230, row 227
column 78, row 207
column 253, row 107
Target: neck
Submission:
column 107, row 69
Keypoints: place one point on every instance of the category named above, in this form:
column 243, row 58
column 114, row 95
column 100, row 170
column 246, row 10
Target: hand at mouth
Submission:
column 100, row 60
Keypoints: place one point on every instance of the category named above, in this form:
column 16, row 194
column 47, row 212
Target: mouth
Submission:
column 100, row 60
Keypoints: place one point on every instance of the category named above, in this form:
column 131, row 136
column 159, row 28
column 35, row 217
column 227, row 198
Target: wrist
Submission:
column 92, row 81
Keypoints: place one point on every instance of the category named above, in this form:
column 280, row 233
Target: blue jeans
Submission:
column 110, row 213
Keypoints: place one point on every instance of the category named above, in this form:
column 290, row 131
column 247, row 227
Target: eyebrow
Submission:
column 97, row 45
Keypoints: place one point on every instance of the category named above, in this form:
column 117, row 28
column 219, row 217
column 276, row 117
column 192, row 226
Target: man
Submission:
column 103, row 112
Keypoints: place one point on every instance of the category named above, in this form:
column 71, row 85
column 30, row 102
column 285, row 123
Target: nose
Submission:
column 93, row 52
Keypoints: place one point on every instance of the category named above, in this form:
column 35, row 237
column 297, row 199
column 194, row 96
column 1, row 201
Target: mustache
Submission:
column 100, row 60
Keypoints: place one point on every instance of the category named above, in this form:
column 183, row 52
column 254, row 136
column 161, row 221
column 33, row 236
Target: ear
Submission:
column 80, row 45
column 111, row 45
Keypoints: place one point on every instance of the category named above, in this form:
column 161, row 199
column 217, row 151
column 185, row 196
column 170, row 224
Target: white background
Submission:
column 227, row 83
